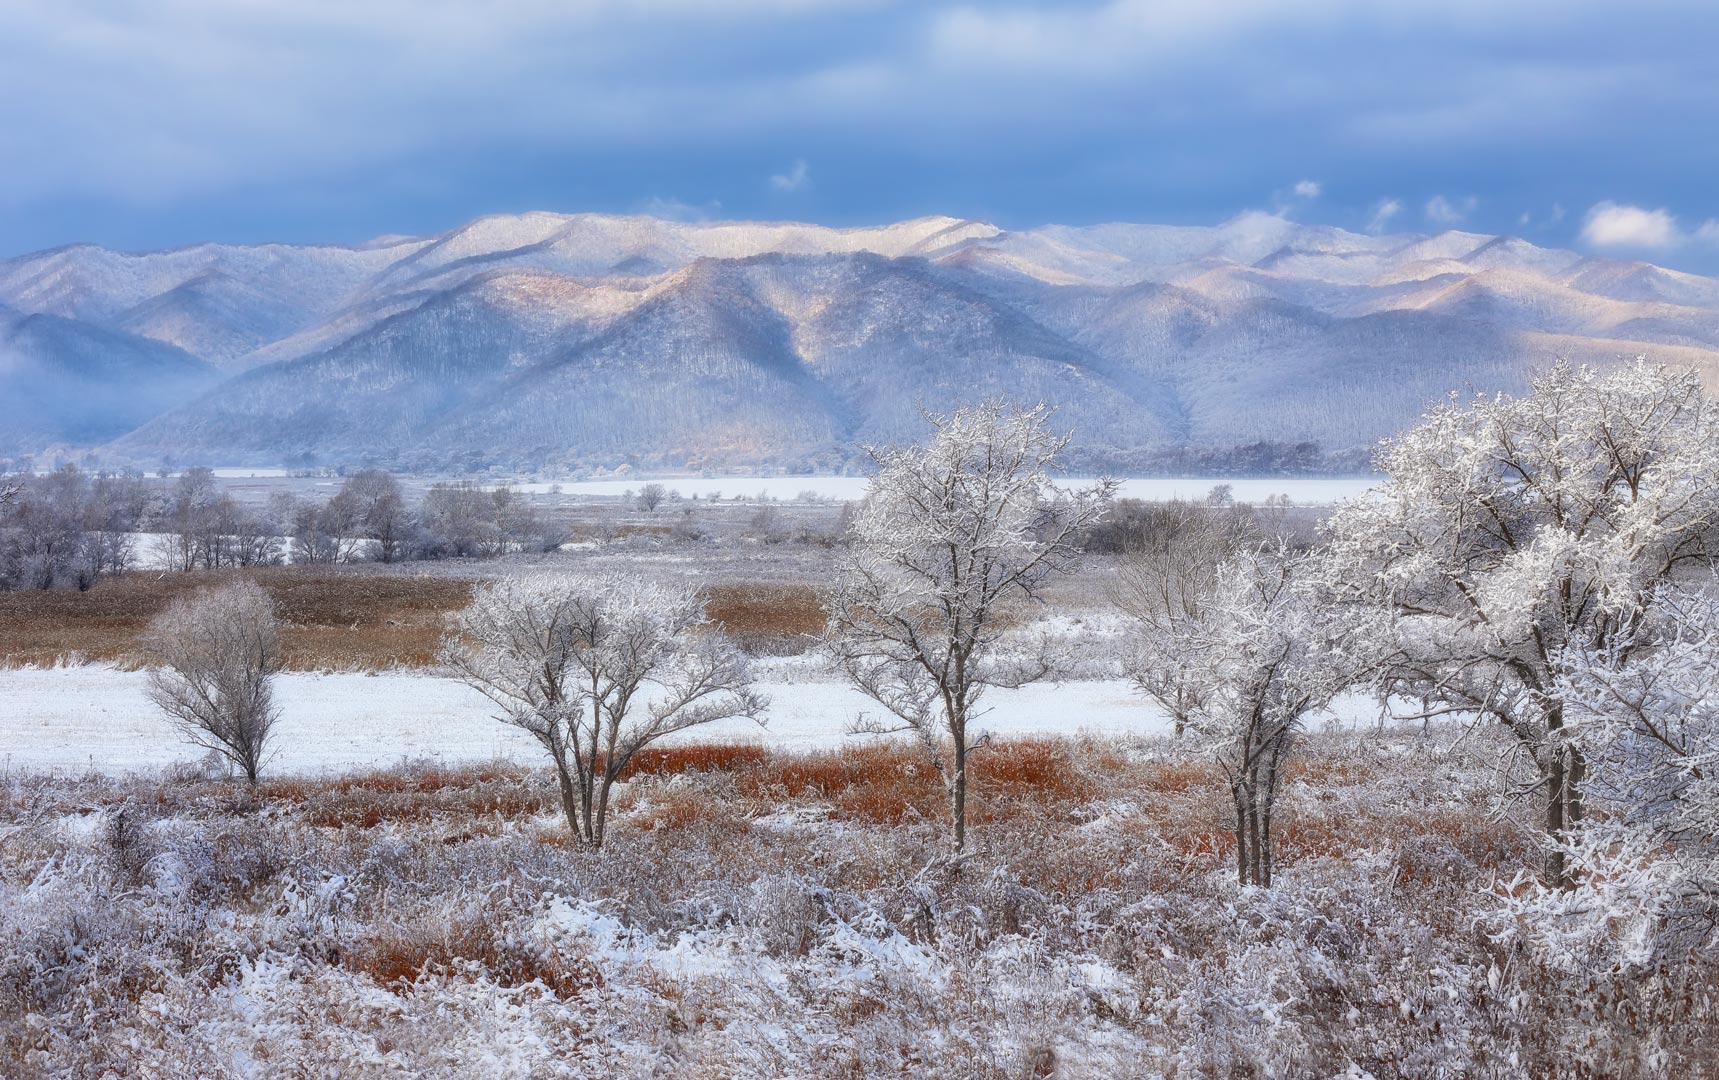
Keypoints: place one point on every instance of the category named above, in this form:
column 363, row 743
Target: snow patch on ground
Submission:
column 97, row 718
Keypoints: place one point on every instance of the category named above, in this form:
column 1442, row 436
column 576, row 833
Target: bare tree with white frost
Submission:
column 217, row 653
column 1259, row 654
column 952, row 539
column 1165, row 578
column 596, row 669
column 1512, row 529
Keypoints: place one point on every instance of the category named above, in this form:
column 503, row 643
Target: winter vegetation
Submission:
column 216, row 654
column 1515, row 872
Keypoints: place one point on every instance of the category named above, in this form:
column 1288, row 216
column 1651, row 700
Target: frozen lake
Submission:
column 77, row 718
column 1303, row 490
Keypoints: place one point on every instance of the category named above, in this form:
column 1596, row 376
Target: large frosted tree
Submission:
column 1512, row 529
column 953, row 538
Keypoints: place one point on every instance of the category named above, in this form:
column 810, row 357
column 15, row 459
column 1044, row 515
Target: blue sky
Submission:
column 1572, row 123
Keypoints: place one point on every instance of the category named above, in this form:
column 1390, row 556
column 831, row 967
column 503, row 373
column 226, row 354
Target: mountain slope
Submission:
column 66, row 382
column 583, row 340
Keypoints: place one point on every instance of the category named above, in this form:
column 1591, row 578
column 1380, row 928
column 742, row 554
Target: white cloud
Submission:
column 1617, row 225
column 1383, row 212
column 1443, row 212
column 794, row 179
column 672, row 209
column 1708, row 233
column 1308, row 189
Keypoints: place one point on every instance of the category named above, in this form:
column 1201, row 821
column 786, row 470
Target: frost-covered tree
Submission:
column 952, row 539
column 216, row 653
column 369, row 506
column 1258, row 655
column 596, row 669
column 1511, row 529
column 1646, row 718
column 1165, row 575
column 651, row 496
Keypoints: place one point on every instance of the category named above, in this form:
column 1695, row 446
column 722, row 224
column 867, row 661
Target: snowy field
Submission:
column 1304, row 491
column 97, row 718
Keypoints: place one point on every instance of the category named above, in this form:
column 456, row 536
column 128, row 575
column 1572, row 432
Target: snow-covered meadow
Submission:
column 96, row 717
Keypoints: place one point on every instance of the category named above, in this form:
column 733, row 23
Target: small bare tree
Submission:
column 217, row 653
column 1164, row 581
column 596, row 669
column 651, row 496
column 951, row 537
column 1262, row 654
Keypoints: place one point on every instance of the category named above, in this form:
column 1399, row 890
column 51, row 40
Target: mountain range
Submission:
column 547, row 340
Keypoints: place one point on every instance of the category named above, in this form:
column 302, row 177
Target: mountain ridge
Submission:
column 588, row 340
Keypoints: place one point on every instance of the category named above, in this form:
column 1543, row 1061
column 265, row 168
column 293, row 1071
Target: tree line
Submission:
column 69, row 528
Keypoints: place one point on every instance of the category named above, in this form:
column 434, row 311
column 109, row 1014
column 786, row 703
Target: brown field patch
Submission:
column 335, row 621
column 757, row 613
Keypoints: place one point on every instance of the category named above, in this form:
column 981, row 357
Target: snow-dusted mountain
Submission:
column 587, row 339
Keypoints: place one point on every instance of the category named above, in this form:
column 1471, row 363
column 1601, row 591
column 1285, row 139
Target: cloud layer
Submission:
column 149, row 124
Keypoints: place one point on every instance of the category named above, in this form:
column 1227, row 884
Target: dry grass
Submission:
column 401, row 957
column 766, row 617
column 335, row 621
column 455, row 797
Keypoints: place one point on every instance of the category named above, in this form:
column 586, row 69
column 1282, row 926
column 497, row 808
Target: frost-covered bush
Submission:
column 1094, row 929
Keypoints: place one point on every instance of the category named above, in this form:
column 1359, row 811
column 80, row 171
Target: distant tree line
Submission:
column 69, row 528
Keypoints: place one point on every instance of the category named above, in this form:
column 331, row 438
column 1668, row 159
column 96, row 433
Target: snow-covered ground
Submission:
column 1307, row 491
column 96, row 717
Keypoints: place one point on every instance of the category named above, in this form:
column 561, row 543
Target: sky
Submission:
column 1572, row 123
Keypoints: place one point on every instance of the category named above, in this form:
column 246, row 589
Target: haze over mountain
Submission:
column 585, row 340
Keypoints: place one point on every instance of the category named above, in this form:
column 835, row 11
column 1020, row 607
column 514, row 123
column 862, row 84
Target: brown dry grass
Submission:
column 758, row 612
column 400, row 957
column 335, row 621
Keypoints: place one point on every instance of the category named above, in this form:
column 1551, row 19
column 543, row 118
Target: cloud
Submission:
column 1444, row 213
column 151, row 124
column 1620, row 225
column 671, row 209
column 797, row 177
column 1383, row 211
column 1615, row 225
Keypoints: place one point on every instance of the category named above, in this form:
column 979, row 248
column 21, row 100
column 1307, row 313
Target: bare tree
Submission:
column 651, row 496
column 951, row 538
column 596, row 669
column 217, row 653
column 369, row 507
column 1165, row 577
column 1261, row 655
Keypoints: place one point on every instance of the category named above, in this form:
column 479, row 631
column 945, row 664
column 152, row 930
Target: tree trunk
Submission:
column 958, row 794
column 1239, row 797
column 1554, row 875
column 569, row 798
